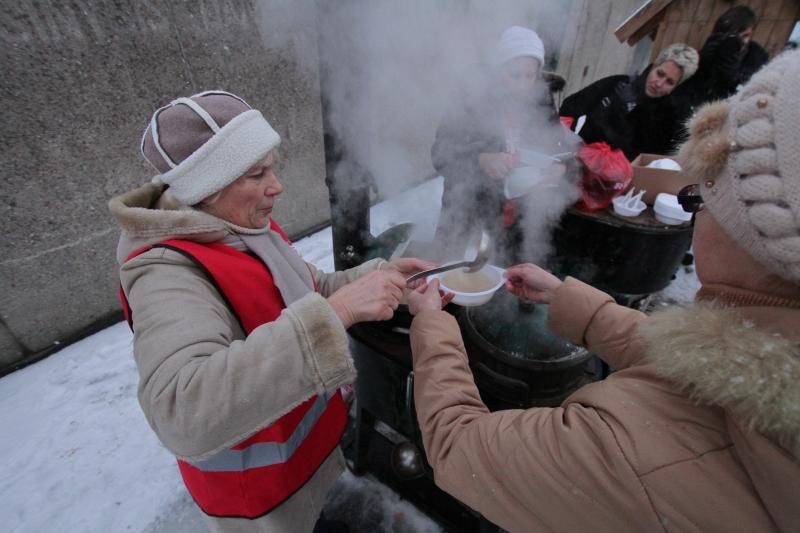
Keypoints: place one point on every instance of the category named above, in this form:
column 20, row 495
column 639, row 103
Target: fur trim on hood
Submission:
column 150, row 214
column 720, row 358
column 706, row 152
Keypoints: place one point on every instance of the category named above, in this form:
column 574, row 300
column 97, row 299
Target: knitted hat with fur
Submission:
column 203, row 143
column 745, row 154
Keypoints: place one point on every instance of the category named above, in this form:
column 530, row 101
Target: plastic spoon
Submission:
column 580, row 123
column 634, row 201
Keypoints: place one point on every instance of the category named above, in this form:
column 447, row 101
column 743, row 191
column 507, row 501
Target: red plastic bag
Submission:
column 509, row 213
column 606, row 174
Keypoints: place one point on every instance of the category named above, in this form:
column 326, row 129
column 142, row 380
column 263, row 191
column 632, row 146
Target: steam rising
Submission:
column 395, row 67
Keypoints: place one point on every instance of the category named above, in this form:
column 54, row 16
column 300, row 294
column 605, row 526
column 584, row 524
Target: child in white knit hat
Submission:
column 480, row 141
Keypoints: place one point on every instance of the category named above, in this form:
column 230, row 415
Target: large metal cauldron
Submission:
column 386, row 437
column 516, row 359
column 626, row 257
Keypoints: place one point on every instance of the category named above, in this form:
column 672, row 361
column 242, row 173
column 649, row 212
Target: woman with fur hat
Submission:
column 699, row 427
column 240, row 344
column 634, row 113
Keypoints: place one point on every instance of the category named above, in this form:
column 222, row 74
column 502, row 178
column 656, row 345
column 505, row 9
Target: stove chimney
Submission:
column 348, row 181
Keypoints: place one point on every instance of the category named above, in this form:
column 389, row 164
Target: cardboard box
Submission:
column 655, row 180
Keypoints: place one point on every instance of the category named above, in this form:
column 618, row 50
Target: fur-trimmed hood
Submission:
column 149, row 214
column 720, row 357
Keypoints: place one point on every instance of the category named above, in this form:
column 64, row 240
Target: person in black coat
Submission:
column 634, row 113
column 478, row 140
column 728, row 59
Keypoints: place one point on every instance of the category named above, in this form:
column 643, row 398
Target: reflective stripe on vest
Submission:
column 265, row 453
column 260, row 473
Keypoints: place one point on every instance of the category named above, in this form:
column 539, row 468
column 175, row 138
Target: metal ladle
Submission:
column 481, row 258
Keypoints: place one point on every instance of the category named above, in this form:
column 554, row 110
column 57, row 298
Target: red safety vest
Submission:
column 261, row 472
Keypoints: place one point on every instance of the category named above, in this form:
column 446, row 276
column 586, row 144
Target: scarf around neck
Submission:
column 289, row 272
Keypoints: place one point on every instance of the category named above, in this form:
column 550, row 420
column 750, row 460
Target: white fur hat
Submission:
column 682, row 55
column 745, row 153
column 517, row 41
column 203, row 143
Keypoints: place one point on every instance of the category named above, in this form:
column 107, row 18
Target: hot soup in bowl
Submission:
column 471, row 288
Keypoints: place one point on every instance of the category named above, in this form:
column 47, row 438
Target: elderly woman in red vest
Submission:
column 240, row 344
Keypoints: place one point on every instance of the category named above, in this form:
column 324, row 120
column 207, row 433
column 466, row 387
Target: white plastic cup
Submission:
column 669, row 211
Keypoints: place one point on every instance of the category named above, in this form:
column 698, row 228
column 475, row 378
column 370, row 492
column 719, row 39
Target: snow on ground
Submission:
column 680, row 292
column 77, row 455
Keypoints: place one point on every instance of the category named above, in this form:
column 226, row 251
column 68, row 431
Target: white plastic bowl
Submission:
column 624, row 210
column 522, row 181
column 471, row 299
column 664, row 164
column 669, row 211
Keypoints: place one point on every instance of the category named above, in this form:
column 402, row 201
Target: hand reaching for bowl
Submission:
column 408, row 266
column 531, row 282
column 374, row 296
column 498, row 165
column 428, row 297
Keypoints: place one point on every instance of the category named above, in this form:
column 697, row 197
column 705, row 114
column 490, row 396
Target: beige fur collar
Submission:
column 719, row 357
column 149, row 215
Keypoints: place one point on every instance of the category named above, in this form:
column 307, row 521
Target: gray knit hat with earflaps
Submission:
column 745, row 154
column 203, row 143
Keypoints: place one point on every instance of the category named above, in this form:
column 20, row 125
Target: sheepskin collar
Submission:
column 720, row 356
column 149, row 215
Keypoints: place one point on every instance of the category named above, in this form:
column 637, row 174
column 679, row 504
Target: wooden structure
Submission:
column 589, row 51
column 691, row 21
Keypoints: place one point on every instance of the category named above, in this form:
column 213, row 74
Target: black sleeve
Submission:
column 457, row 145
column 597, row 100
column 720, row 56
column 755, row 58
column 606, row 117
column 581, row 102
column 655, row 129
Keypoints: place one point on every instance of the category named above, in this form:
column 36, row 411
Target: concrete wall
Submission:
column 80, row 80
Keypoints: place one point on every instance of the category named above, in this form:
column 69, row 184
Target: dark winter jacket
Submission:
column 473, row 126
column 724, row 65
column 619, row 113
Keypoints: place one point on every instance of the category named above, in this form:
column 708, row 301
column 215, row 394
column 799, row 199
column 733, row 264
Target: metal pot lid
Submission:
column 519, row 330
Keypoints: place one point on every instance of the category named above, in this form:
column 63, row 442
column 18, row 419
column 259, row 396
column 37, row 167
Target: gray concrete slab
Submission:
column 10, row 350
column 56, row 293
column 80, row 82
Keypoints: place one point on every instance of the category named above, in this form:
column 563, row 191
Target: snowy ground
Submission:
column 76, row 454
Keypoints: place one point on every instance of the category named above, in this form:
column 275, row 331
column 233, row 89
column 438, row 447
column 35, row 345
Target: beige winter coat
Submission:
column 697, row 430
column 205, row 386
